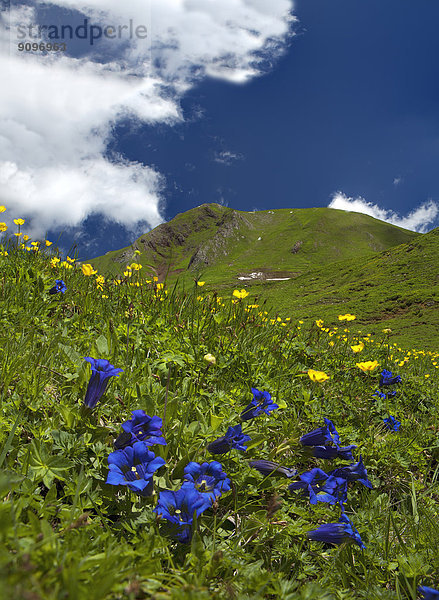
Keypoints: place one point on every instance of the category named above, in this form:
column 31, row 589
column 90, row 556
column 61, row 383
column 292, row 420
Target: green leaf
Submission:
column 71, row 354
column 46, row 466
column 102, row 345
column 9, row 481
column 215, row 421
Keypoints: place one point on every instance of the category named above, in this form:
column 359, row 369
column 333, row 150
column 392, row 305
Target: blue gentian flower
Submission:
column 234, row 438
column 384, row 396
column 387, row 379
column 392, row 423
column 134, row 467
column 208, row 478
column 101, row 371
column 179, row 508
column 321, row 436
column 330, row 452
column 336, row 533
column 428, row 593
column 59, row 286
column 261, row 403
column 266, row 467
column 354, row 472
column 141, row 428
column 321, row 487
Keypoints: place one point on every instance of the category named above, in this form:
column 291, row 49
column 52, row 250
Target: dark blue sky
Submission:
column 352, row 106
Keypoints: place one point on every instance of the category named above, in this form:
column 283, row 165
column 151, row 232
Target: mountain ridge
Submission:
column 274, row 240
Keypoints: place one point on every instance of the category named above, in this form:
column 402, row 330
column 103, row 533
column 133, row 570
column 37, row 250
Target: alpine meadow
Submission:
column 239, row 405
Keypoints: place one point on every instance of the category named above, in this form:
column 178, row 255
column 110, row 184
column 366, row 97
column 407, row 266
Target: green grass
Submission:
column 235, row 242
column 66, row 533
column 347, row 262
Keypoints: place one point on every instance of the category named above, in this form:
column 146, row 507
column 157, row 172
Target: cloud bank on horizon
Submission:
column 58, row 111
column 421, row 219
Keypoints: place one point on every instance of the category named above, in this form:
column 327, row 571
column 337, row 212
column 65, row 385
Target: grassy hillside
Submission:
column 336, row 262
column 226, row 244
column 397, row 289
column 182, row 506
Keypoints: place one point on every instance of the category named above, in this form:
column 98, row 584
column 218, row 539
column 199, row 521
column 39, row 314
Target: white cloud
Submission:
column 57, row 112
column 420, row 219
column 227, row 158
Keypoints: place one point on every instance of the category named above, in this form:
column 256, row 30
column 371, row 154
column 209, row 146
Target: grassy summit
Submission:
column 224, row 243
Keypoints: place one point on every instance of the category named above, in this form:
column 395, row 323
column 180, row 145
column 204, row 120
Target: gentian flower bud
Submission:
column 266, row 467
column 428, row 593
column 101, row 371
column 321, row 436
column 337, row 533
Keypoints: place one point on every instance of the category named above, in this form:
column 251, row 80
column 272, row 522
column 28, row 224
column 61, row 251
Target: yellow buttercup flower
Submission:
column 317, row 376
column 137, row 252
column 48, row 243
column 66, row 265
column 25, row 238
column 358, row 347
column 18, row 234
column 19, row 221
column 240, row 294
column 3, row 227
column 135, row 266
column 2, row 209
column 88, row 270
column 319, row 323
column 347, row 317
column 70, row 260
column 54, row 261
column 200, row 284
column 369, row 365
column 100, row 280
